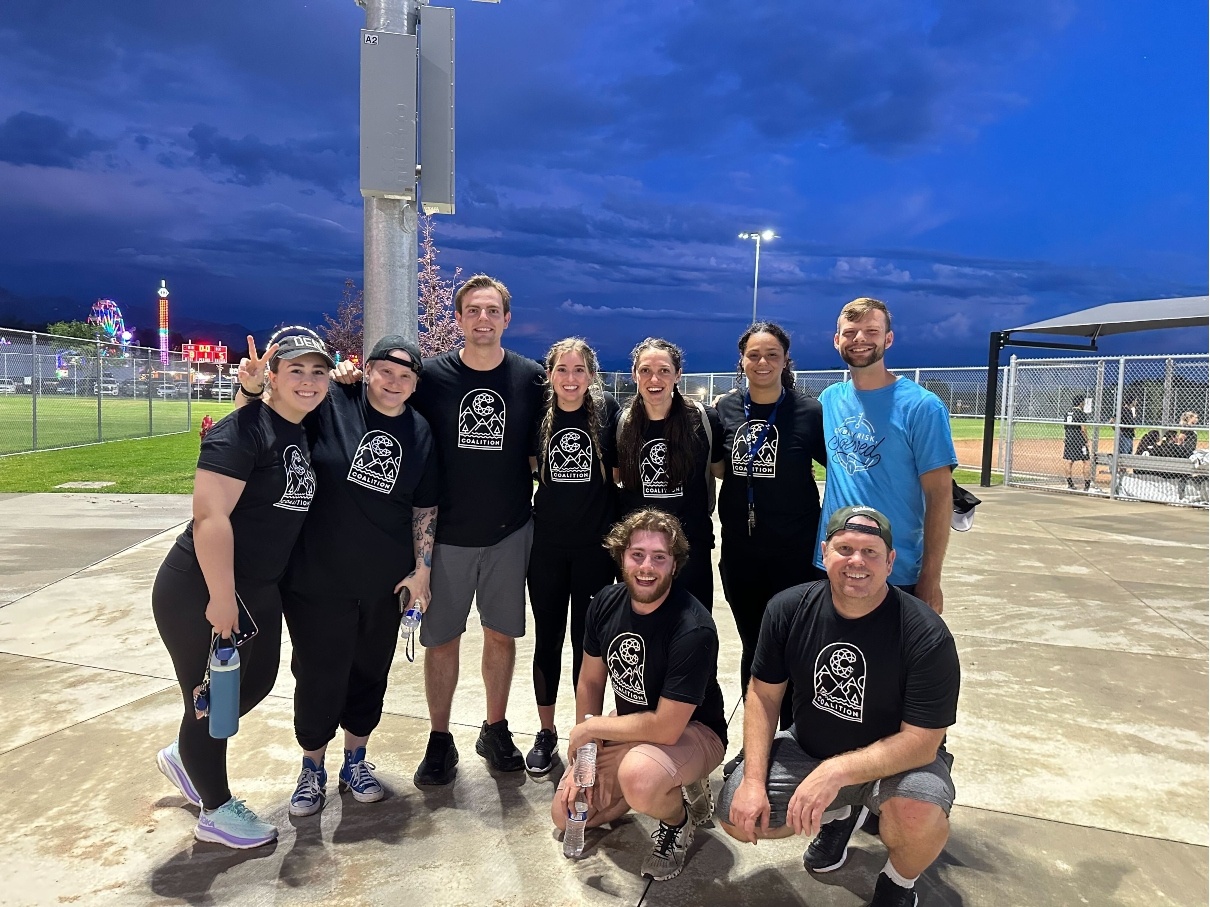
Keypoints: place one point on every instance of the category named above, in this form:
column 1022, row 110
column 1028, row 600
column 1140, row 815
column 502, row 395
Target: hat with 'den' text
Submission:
column 300, row 345
column 385, row 349
column 844, row 519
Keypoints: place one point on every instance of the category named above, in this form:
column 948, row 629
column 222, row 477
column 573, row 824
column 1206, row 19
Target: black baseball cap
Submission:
column 843, row 519
column 384, row 351
column 300, row 345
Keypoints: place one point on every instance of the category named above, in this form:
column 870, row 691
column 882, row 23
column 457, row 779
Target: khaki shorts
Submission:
column 693, row 757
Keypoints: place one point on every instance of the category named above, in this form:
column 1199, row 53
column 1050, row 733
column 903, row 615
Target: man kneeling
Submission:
column 659, row 647
column 876, row 678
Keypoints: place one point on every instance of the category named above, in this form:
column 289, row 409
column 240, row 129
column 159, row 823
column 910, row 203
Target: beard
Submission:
column 865, row 359
column 645, row 595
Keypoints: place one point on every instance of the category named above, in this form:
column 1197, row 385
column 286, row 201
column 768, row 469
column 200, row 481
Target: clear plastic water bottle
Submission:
column 410, row 623
column 224, row 689
column 585, row 772
column 577, row 820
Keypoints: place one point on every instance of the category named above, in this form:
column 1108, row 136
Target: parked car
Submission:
column 223, row 390
column 8, row 386
column 108, row 387
column 166, row 390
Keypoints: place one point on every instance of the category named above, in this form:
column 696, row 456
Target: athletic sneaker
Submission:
column 699, row 802
column 830, row 848
column 235, row 825
column 542, row 757
column 668, row 856
column 495, row 744
column 169, row 761
column 311, row 790
column 888, row 894
column 357, row 776
column 440, row 761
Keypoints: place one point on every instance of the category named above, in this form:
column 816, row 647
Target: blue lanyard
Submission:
column 755, row 446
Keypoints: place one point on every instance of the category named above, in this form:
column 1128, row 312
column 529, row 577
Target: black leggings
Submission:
column 753, row 574
column 697, row 576
column 343, row 649
column 178, row 602
column 557, row 575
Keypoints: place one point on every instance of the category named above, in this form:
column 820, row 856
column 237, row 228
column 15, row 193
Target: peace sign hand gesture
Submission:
column 251, row 373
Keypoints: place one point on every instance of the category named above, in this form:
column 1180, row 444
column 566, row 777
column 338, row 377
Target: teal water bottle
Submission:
column 224, row 689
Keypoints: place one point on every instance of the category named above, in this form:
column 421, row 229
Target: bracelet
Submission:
column 251, row 396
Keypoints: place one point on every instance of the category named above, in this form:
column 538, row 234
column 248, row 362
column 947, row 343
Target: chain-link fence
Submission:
column 962, row 389
column 66, row 391
column 1123, row 427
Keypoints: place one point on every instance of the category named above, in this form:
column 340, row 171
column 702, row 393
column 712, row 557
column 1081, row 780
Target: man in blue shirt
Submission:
column 889, row 446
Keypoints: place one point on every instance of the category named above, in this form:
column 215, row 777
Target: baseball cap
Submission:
column 384, row 349
column 964, row 509
column 296, row 345
column 841, row 520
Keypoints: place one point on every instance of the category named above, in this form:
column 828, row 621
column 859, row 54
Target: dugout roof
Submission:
column 1125, row 317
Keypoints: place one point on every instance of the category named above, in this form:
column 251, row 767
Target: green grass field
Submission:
column 163, row 464
column 66, row 421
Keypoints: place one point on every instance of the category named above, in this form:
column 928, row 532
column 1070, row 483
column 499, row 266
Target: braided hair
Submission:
column 779, row 334
column 594, row 402
column 680, row 427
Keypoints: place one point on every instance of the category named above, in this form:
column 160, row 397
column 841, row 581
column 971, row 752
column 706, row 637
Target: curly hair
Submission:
column 779, row 334
column 594, row 402
column 680, row 428
column 617, row 540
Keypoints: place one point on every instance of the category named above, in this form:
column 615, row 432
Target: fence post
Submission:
column 1009, row 397
column 1098, row 403
column 150, row 415
column 1167, row 413
column 1117, row 432
column 35, row 388
column 100, row 437
column 1001, row 403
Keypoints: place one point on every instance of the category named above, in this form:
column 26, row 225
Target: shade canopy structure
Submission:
column 1090, row 325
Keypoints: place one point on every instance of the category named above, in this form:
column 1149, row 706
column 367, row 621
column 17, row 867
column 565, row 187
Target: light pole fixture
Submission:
column 765, row 235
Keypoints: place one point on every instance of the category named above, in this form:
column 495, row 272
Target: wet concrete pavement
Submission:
column 1081, row 742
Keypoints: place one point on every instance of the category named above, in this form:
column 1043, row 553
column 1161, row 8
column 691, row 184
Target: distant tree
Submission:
column 436, row 328
column 343, row 333
column 81, row 329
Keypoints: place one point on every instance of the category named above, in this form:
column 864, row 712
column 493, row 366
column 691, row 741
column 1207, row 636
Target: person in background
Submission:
column 1128, row 418
column 1075, row 440
column 667, row 446
column 251, row 494
column 574, row 506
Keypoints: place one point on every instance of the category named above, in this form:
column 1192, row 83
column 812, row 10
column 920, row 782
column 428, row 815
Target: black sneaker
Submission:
column 542, row 757
column 830, row 848
column 495, row 744
column 732, row 764
column 888, row 894
column 440, row 761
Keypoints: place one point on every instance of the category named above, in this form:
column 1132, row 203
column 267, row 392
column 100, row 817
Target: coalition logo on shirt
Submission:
column 764, row 459
column 376, row 463
column 481, row 420
column 652, row 464
column 840, row 672
column 570, row 456
column 626, row 658
column 854, row 445
column 300, row 480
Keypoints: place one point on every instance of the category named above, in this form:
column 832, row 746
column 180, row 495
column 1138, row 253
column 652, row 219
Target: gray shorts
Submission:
column 789, row 765
column 494, row 577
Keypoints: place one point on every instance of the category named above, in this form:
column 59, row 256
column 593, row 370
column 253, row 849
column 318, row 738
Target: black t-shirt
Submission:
column 690, row 503
column 271, row 456
column 575, row 503
column 784, row 492
column 372, row 470
column 483, row 424
column 671, row 652
column 856, row 680
column 1073, row 427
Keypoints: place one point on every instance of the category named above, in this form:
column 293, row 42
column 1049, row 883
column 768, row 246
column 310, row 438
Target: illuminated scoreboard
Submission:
column 203, row 352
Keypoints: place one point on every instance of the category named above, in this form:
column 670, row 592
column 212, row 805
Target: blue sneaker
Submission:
column 357, row 776
column 169, row 761
column 309, row 793
column 235, row 825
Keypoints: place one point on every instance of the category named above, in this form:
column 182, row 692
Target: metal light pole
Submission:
column 765, row 235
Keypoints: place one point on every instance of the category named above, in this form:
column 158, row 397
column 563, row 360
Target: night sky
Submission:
column 977, row 164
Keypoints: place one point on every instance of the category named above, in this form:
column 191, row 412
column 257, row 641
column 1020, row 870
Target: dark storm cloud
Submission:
column 604, row 311
column 326, row 161
column 30, row 138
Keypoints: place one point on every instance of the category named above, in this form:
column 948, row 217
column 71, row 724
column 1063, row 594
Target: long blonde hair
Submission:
column 594, row 401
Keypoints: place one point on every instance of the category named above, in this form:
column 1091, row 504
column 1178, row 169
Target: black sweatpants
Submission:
column 753, row 574
column 697, row 576
column 178, row 602
column 556, row 576
column 343, row 649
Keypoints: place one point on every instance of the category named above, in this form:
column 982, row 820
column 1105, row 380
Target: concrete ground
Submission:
column 1081, row 742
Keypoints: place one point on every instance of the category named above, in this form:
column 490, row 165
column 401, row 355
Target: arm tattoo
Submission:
column 424, row 530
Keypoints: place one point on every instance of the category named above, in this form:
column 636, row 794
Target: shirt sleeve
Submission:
column 931, row 438
column 813, row 417
column 930, row 698
column 592, row 620
column 231, row 447
column 690, row 658
column 769, row 659
column 428, row 491
column 716, row 434
column 609, row 433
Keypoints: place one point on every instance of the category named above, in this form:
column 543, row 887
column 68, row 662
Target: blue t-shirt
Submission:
column 879, row 444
